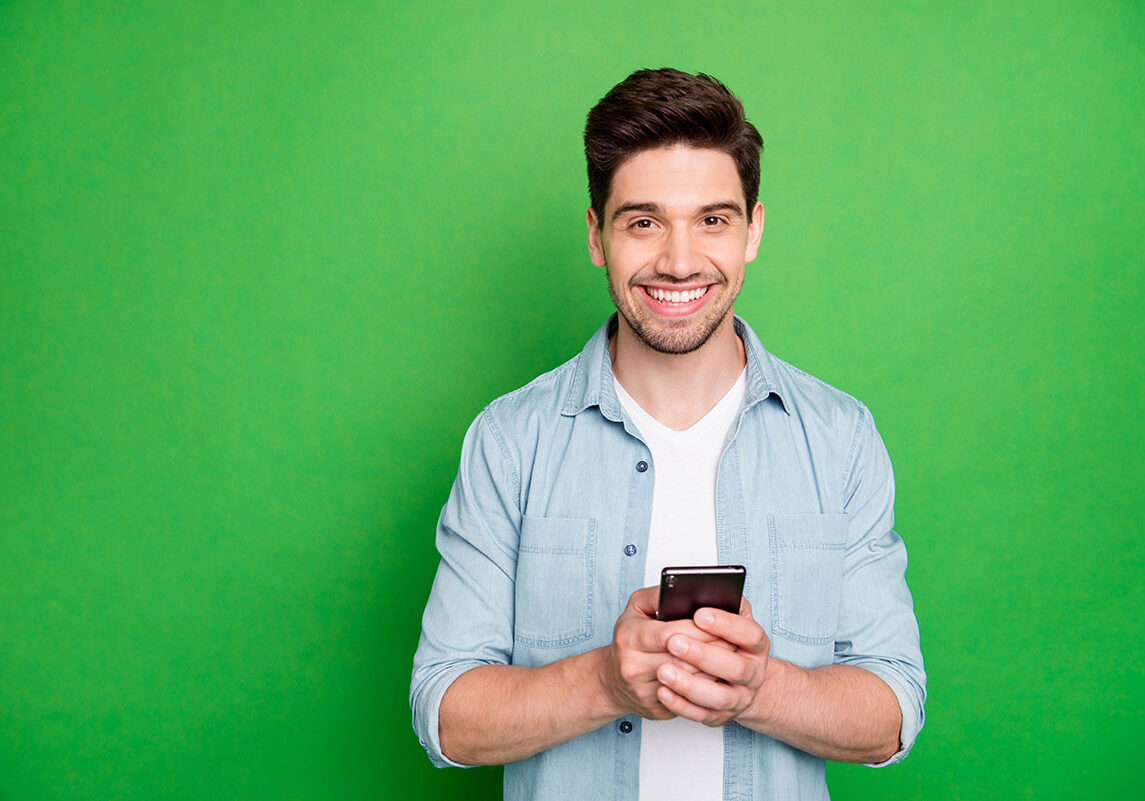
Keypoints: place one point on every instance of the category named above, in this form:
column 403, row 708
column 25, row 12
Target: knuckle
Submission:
column 629, row 671
column 725, row 699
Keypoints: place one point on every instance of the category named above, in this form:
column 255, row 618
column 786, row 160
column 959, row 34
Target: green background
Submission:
column 260, row 265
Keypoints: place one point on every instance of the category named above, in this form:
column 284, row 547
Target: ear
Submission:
column 595, row 244
column 754, row 232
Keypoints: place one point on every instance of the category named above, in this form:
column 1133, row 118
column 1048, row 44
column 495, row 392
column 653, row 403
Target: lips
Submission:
column 675, row 302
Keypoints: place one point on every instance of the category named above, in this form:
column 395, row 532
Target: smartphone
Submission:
column 683, row 590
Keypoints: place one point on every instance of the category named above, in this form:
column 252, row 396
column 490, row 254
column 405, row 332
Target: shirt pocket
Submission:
column 806, row 575
column 553, row 592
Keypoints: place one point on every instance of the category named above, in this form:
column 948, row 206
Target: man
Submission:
column 673, row 438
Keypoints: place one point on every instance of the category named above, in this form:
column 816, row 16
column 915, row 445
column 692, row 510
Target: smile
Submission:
column 674, row 296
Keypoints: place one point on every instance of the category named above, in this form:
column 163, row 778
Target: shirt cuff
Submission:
column 426, row 708
column 911, row 713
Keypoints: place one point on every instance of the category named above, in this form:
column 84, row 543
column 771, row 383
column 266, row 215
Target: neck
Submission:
column 677, row 389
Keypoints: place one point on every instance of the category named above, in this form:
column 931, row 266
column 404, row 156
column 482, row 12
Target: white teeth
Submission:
column 664, row 296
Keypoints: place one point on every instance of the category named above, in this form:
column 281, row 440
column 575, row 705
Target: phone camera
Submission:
column 670, row 581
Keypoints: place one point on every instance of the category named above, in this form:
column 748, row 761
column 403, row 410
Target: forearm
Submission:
column 839, row 712
column 495, row 714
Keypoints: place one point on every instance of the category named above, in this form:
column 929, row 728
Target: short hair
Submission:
column 662, row 108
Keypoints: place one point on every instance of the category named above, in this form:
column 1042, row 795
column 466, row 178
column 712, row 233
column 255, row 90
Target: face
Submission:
column 675, row 239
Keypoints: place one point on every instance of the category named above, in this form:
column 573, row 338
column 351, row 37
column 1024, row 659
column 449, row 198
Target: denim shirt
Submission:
column 543, row 537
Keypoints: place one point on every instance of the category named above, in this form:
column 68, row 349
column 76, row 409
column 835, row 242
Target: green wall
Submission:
column 260, row 265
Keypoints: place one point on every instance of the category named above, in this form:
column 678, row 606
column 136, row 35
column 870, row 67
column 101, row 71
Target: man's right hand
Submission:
column 639, row 647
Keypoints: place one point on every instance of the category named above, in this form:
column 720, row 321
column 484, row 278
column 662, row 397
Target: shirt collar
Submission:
column 592, row 381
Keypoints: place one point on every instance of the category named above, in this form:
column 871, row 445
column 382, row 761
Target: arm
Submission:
column 867, row 707
column 468, row 619
column 838, row 712
column 470, row 705
column 503, row 713
column 495, row 714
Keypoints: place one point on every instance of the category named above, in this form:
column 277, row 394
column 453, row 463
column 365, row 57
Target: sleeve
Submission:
column 468, row 619
column 877, row 629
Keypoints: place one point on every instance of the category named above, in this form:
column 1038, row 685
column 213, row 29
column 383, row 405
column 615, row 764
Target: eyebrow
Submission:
column 655, row 208
column 627, row 208
column 723, row 205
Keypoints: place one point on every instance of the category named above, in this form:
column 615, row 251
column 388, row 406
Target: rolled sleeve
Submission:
column 425, row 702
column 878, row 630
column 468, row 620
column 909, row 703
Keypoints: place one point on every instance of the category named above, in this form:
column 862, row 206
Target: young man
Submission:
column 673, row 438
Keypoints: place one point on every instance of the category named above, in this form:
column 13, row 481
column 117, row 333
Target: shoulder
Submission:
column 543, row 397
column 522, row 416
column 834, row 424
column 807, row 397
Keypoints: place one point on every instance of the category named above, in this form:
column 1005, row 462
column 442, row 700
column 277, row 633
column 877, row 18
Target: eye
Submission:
column 641, row 224
column 712, row 221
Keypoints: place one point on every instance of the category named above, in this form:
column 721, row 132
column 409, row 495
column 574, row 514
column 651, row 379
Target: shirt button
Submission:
column 630, row 550
column 625, row 727
column 641, row 466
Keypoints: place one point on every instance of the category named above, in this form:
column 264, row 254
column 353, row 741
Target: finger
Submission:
column 699, row 691
column 688, row 629
column 679, row 663
column 651, row 636
column 681, row 707
column 644, row 601
column 734, row 667
column 741, row 631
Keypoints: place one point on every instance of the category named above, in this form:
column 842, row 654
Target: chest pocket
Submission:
column 553, row 593
column 806, row 575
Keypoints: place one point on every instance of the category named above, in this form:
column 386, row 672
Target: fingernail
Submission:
column 678, row 645
column 668, row 673
column 705, row 618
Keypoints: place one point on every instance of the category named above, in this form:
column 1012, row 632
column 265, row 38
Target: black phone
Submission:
column 683, row 590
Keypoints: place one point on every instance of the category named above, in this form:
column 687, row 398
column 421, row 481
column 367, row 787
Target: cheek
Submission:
column 627, row 258
column 731, row 262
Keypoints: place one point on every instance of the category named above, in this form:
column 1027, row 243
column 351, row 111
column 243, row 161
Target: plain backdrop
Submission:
column 261, row 264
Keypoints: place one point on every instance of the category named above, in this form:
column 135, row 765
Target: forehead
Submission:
column 676, row 176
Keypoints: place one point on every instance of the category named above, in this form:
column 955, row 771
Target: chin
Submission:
column 675, row 342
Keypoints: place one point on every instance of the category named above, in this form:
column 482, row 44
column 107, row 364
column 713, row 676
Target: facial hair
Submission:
column 674, row 339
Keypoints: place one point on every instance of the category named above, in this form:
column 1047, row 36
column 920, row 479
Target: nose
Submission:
column 679, row 257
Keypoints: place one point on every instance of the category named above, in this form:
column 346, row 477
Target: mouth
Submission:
column 675, row 302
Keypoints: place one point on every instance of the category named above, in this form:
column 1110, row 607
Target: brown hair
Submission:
column 661, row 108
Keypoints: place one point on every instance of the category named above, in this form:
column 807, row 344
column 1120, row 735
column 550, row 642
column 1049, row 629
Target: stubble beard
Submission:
column 677, row 337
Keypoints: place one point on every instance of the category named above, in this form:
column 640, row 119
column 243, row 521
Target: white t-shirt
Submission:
column 681, row 758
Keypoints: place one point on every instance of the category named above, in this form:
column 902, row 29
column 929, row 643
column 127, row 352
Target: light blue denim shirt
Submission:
column 543, row 537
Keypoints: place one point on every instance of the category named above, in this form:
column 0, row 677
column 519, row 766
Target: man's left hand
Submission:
column 729, row 681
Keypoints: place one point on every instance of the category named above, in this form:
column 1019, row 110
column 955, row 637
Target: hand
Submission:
column 639, row 648
column 721, row 684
